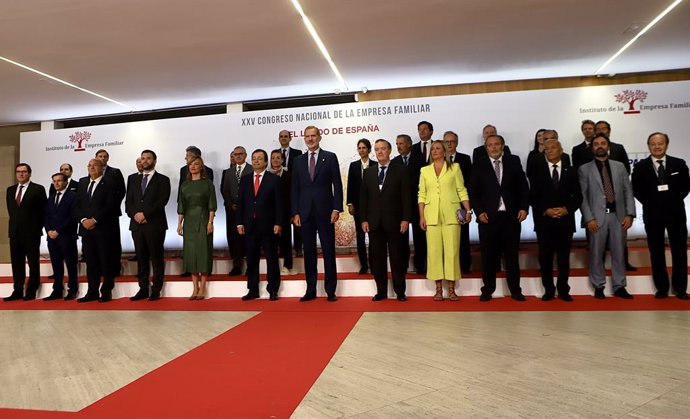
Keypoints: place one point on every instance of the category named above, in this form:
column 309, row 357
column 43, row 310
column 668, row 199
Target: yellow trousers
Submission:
column 443, row 251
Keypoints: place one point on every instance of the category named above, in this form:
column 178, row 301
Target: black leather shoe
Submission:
column 548, row 296
column 565, row 297
column 14, row 297
column 51, row 276
column 307, row 297
column 485, row 297
column 105, row 298
column 132, row 258
column 599, row 293
column 71, row 295
column 273, row 296
column 421, row 271
column 299, row 253
column 250, row 296
column 623, row 293
column 332, row 297
column 88, row 298
column 363, row 271
column 683, row 296
column 141, row 295
column 518, row 297
column 29, row 296
column 660, row 295
column 235, row 271
column 155, row 296
column 379, row 297
column 402, row 297
column 630, row 268
column 53, row 296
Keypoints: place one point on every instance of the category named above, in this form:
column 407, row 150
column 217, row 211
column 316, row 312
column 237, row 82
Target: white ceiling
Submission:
column 154, row 54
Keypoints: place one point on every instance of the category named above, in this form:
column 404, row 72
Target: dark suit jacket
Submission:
column 659, row 205
column 583, row 154
column 184, row 171
column 535, row 159
column 486, row 192
column 324, row 194
column 385, row 208
column 26, row 220
column 258, row 214
column 416, row 155
column 544, row 195
column 61, row 218
column 480, row 152
column 152, row 203
column 73, row 185
column 354, row 182
column 292, row 154
column 116, row 183
column 229, row 187
column 465, row 163
column 413, row 176
column 101, row 207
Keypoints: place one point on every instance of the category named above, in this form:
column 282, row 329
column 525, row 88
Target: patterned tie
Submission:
column 144, row 182
column 405, row 160
column 424, row 150
column 554, row 175
column 497, row 170
column 256, row 184
column 19, row 195
column 90, row 190
column 661, row 172
column 238, row 173
column 284, row 158
column 57, row 199
column 608, row 186
column 312, row 165
column 382, row 175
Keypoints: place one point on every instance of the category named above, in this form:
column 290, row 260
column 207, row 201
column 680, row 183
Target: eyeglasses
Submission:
column 22, row 171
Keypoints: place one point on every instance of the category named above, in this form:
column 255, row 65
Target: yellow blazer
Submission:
column 441, row 194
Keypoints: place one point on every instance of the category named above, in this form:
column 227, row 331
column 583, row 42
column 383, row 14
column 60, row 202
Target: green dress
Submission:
column 196, row 199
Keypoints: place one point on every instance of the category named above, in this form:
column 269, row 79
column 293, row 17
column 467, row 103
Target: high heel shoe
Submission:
column 201, row 295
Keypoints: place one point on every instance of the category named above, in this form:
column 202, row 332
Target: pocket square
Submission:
column 674, row 173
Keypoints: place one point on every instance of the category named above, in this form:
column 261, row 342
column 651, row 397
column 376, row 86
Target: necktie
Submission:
column 256, row 184
column 238, row 173
column 424, row 150
column 144, row 182
column 554, row 175
column 90, row 190
column 19, row 195
column 382, row 175
column 284, row 158
column 57, row 198
column 661, row 172
column 361, row 173
column 608, row 186
column 312, row 165
column 497, row 170
column 405, row 160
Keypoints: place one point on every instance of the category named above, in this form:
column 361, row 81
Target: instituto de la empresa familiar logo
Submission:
column 80, row 137
column 630, row 97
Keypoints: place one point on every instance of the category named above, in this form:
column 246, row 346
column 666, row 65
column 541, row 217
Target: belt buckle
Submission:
column 608, row 210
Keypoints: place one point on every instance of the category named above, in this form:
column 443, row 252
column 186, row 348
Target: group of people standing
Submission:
column 288, row 198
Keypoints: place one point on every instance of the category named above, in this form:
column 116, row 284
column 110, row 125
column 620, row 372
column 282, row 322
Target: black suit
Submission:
column 259, row 214
column 664, row 210
column 229, row 189
column 463, row 160
column 417, row 161
column 582, row 153
column 354, row 182
column 63, row 248
column 72, row 186
column 554, row 235
column 285, row 240
column 535, row 160
column 24, row 231
column 413, row 182
column 480, row 152
column 149, row 236
column 291, row 155
column 99, row 242
column 116, row 183
column 503, row 229
column 384, row 209
column 297, row 231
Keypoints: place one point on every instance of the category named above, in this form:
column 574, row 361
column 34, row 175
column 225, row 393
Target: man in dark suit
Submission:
column 608, row 210
column 26, row 206
column 116, row 184
column 289, row 154
column 661, row 183
column 65, row 169
column 500, row 197
column 555, row 196
column 61, row 228
column 147, row 195
column 229, row 188
column 403, row 143
column 285, row 240
column 385, row 213
column 259, row 214
column 96, row 211
column 317, row 201
column 419, row 157
column 354, row 182
column 582, row 153
column 465, row 163
column 480, row 151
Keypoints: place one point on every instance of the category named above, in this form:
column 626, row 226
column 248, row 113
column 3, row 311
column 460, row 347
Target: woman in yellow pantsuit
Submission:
column 442, row 194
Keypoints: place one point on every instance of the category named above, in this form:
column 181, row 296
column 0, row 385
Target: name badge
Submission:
column 662, row 188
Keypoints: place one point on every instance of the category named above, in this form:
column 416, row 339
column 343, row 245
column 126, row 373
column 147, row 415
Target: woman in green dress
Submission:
column 196, row 209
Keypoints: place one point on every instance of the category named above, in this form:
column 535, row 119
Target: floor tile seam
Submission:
column 391, row 404
column 658, row 396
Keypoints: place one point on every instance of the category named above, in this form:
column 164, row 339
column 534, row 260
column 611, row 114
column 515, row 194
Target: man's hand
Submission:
column 351, row 209
column 627, row 222
column 53, row 234
column 277, row 230
column 592, row 226
column 140, row 218
column 296, row 220
column 365, row 226
column 334, row 216
column 404, row 225
column 89, row 223
column 522, row 214
column 484, row 218
column 240, row 230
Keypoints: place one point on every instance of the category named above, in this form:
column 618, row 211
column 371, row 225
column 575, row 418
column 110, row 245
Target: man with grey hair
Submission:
column 230, row 189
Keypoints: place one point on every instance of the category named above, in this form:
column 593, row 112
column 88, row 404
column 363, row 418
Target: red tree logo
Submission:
column 80, row 137
column 630, row 97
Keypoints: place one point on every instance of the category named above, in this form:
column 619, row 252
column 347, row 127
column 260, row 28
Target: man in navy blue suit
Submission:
column 61, row 227
column 259, row 215
column 317, row 201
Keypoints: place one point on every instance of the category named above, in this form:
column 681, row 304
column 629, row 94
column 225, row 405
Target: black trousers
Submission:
column 235, row 241
column 148, row 246
column 97, row 251
column 310, row 228
column 63, row 251
column 500, row 236
column 285, row 244
column 25, row 250
column 677, row 238
column 382, row 244
column 465, row 251
column 116, row 250
column 361, row 243
column 419, row 241
column 557, row 239
column 255, row 242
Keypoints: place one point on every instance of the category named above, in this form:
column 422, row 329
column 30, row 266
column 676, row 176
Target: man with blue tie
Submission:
column 317, row 201
column 61, row 227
